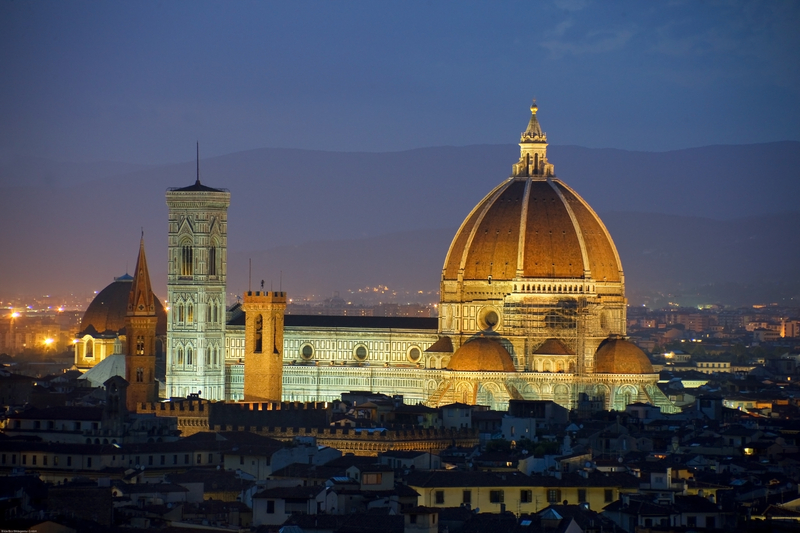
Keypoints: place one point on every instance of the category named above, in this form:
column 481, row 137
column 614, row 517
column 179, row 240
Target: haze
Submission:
column 102, row 103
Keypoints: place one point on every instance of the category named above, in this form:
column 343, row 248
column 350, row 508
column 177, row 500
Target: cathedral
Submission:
column 532, row 306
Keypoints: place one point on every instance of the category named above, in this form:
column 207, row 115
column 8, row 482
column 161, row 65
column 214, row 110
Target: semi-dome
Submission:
column 618, row 356
column 532, row 226
column 482, row 355
column 109, row 308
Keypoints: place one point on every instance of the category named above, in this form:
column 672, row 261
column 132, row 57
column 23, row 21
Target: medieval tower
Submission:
column 196, row 277
column 263, row 360
column 140, row 334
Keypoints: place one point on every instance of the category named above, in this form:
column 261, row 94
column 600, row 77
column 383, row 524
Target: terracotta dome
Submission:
column 108, row 309
column 538, row 227
column 482, row 355
column 618, row 356
column 532, row 226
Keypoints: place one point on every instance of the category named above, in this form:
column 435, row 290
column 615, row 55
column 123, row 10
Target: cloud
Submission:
column 595, row 42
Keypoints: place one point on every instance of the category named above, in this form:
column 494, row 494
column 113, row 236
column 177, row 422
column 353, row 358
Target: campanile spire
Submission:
column 140, row 333
column 141, row 300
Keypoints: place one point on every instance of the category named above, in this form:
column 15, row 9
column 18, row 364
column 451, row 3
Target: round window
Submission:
column 361, row 353
column 489, row 319
column 414, row 354
column 307, row 351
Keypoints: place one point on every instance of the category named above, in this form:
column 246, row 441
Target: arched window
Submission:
column 189, row 356
column 181, row 317
column 139, row 375
column 212, row 261
column 259, row 333
column 180, row 356
column 89, row 348
column 139, row 345
column 208, row 311
column 187, row 259
column 189, row 313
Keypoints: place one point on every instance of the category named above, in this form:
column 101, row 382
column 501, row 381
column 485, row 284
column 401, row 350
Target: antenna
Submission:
column 280, row 286
column 250, row 275
column 198, row 163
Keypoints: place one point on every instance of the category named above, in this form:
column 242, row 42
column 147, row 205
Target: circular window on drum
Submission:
column 414, row 354
column 489, row 319
column 360, row 353
column 307, row 351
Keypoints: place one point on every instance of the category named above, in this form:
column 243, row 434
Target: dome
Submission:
column 532, row 226
column 109, row 308
column 553, row 347
column 539, row 228
column 618, row 356
column 482, row 355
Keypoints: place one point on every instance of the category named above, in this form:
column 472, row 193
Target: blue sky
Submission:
column 141, row 81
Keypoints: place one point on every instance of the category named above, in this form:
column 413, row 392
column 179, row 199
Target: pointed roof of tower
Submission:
column 197, row 186
column 534, row 132
column 141, row 300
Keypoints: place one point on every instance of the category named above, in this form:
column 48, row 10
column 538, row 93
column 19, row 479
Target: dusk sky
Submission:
column 141, row 81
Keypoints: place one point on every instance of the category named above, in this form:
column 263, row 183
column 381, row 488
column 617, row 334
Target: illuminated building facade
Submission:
column 532, row 307
column 196, row 277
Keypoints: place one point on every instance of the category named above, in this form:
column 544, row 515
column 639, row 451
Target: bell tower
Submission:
column 196, row 281
column 263, row 339
column 140, row 335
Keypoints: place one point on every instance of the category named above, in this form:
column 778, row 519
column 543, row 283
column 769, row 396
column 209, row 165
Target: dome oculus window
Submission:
column 414, row 354
column 489, row 319
column 360, row 353
column 306, row 351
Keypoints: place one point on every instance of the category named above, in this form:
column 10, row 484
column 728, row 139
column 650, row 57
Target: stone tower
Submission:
column 263, row 332
column 196, row 277
column 140, row 335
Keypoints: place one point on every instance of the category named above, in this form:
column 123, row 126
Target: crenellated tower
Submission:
column 140, row 334
column 263, row 334
column 196, row 285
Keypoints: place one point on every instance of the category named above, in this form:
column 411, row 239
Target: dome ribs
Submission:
column 454, row 262
column 552, row 248
column 603, row 258
column 493, row 251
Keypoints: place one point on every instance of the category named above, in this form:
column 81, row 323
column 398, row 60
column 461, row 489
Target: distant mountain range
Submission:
column 682, row 220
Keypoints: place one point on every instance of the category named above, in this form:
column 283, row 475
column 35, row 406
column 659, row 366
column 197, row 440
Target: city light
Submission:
column 15, row 315
column 48, row 341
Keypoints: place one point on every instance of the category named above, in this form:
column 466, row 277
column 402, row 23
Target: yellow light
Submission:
column 14, row 315
column 48, row 341
column 74, row 341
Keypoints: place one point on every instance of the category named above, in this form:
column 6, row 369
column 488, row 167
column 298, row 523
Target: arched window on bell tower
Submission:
column 259, row 333
column 212, row 260
column 139, row 345
column 186, row 259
